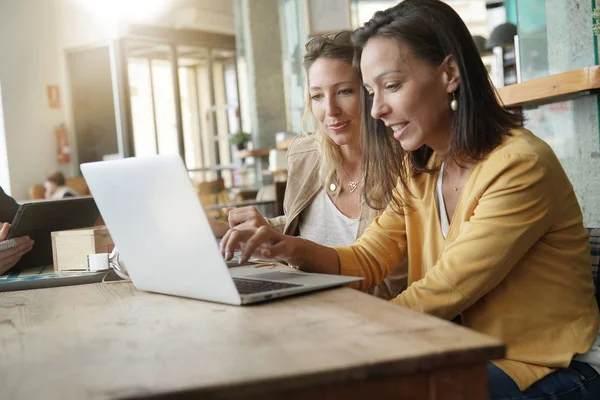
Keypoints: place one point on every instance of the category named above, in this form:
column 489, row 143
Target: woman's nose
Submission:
column 332, row 107
column 379, row 108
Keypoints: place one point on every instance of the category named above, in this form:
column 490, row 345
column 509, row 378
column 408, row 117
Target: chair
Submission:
column 79, row 185
column 37, row 191
column 211, row 193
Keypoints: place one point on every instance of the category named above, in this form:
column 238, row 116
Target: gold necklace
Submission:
column 455, row 188
column 352, row 185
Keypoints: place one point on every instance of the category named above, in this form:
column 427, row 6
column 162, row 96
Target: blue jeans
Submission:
column 578, row 382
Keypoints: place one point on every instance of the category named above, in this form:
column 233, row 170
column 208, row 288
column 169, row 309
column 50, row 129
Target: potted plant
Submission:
column 596, row 16
column 240, row 140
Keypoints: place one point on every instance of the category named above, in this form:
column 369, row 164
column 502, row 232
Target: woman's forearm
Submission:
column 312, row 257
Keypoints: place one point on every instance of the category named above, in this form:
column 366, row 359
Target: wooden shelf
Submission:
column 283, row 145
column 543, row 90
column 252, row 153
column 242, row 203
column 215, row 168
column 277, row 171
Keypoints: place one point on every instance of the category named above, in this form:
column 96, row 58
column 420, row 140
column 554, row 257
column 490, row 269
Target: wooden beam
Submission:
column 284, row 144
column 543, row 90
column 252, row 153
column 181, row 37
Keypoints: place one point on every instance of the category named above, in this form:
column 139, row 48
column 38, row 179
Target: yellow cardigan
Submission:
column 515, row 262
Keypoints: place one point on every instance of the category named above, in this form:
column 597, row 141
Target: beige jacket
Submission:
column 303, row 185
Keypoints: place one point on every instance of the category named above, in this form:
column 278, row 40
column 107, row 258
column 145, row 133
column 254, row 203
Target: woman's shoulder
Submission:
column 302, row 144
column 521, row 152
column 522, row 144
column 522, row 141
column 303, row 155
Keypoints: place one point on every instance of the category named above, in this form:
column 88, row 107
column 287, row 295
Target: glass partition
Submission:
column 204, row 89
column 554, row 37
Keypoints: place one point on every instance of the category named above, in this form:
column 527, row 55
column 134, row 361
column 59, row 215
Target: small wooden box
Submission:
column 70, row 248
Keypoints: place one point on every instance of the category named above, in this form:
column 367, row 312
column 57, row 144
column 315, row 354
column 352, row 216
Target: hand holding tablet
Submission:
column 11, row 250
column 36, row 220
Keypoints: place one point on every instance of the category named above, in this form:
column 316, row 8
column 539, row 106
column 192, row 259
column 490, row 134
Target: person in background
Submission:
column 323, row 201
column 11, row 250
column 483, row 208
column 56, row 187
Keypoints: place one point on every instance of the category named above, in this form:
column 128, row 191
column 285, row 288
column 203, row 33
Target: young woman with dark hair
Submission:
column 482, row 207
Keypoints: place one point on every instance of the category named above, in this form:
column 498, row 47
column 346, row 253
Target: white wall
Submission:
column 4, row 175
column 29, row 62
column 34, row 35
column 76, row 28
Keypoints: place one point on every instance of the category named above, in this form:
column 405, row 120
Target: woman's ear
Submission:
column 450, row 73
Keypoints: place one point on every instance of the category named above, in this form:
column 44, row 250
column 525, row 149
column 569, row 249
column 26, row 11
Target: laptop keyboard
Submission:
column 251, row 286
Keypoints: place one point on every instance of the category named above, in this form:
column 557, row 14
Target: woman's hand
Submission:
column 13, row 250
column 264, row 242
column 248, row 217
column 219, row 228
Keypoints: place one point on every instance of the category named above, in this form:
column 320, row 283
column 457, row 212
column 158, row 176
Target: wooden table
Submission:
column 113, row 341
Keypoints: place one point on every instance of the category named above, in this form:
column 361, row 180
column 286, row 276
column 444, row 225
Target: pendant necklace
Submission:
column 352, row 185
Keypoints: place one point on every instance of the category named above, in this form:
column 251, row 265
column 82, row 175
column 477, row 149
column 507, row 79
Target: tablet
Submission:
column 39, row 219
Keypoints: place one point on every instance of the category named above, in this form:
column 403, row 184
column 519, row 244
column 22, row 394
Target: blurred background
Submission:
column 221, row 83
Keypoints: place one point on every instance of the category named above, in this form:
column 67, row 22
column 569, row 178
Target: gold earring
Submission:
column 454, row 102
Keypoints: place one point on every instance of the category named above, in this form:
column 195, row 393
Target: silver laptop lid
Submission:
column 160, row 229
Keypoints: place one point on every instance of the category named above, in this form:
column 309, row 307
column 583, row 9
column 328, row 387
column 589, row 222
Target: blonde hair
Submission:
column 331, row 156
column 336, row 46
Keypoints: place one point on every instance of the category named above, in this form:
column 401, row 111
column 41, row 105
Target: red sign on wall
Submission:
column 53, row 94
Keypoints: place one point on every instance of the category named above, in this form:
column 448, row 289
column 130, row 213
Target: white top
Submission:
column 592, row 357
column 61, row 191
column 441, row 205
column 321, row 222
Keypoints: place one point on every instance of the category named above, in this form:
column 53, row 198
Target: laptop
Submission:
column 161, row 230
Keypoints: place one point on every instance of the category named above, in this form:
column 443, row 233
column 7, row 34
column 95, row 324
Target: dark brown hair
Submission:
column 57, row 178
column 432, row 30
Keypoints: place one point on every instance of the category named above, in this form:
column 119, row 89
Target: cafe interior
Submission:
column 222, row 85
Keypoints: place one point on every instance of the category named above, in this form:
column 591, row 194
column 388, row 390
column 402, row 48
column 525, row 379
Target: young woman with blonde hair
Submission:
column 323, row 201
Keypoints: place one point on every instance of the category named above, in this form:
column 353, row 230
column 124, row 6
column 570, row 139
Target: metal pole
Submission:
column 237, row 88
column 213, row 110
column 122, row 97
column 199, row 115
column 177, row 97
column 153, row 104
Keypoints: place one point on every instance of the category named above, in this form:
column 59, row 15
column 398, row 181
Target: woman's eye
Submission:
column 346, row 92
column 316, row 97
column 393, row 86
